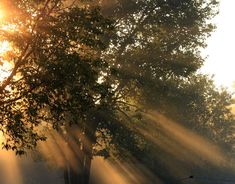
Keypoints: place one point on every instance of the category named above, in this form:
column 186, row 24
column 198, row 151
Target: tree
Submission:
column 71, row 65
column 157, row 43
column 157, row 46
column 195, row 107
column 54, row 79
column 155, row 57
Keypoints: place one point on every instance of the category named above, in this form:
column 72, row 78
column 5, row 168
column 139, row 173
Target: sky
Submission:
column 221, row 47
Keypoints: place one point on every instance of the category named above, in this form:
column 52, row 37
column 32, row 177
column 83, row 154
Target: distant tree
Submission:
column 206, row 109
column 156, row 48
column 196, row 105
column 155, row 56
column 159, row 41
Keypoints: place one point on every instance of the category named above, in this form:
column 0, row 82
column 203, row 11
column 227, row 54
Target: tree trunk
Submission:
column 87, row 163
column 82, row 174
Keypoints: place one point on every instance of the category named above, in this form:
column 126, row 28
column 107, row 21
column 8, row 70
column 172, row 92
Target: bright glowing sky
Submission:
column 221, row 47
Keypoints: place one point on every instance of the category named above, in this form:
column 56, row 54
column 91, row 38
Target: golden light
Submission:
column 8, row 27
column 5, row 66
column 4, row 47
column 11, row 168
column 1, row 14
column 8, row 159
column 2, row 10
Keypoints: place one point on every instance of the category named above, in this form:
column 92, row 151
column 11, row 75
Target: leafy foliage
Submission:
column 73, row 65
column 57, row 70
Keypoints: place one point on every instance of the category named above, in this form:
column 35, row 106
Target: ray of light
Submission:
column 11, row 173
column 183, row 139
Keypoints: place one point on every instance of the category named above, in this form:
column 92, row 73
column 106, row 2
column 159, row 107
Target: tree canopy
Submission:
column 103, row 67
column 55, row 68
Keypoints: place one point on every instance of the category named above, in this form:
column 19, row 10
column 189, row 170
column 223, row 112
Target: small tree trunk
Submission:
column 82, row 174
column 87, row 163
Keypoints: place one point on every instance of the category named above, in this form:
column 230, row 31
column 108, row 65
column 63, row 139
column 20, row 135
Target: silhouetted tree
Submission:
column 54, row 80
column 74, row 65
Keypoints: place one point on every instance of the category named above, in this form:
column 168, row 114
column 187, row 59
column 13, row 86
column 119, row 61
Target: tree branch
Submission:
column 25, row 54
